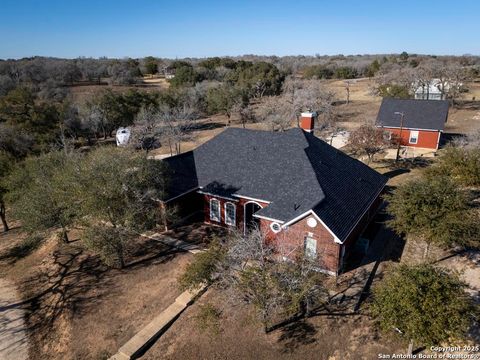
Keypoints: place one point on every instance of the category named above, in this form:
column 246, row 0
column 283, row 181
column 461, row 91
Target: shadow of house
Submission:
column 396, row 172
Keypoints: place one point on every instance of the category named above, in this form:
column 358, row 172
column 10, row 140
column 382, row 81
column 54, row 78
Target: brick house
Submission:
column 304, row 194
column 415, row 123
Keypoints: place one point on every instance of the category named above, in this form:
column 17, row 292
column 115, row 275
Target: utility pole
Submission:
column 347, row 89
column 402, row 115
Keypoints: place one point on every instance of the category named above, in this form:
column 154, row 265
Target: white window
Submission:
column 214, row 210
column 230, row 211
column 275, row 227
column 413, row 137
column 310, row 247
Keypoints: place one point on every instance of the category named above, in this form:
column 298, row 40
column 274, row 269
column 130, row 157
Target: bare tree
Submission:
column 147, row 129
column 177, row 124
column 369, row 140
column 276, row 113
column 303, row 95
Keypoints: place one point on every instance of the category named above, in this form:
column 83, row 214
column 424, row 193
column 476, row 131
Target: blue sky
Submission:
column 137, row 28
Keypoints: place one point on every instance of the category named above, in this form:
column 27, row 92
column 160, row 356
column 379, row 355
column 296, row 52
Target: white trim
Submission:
column 219, row 220
column 335, row 237
column 234, row 213
column 273, row 230
column 184, row 193
column 313, row 254
column 307, row 114
column 244, row 213
column 406, row 128
column 438, row 141
column 250, row 198
column 414, row 132
column 215, row 195
column 269, row 219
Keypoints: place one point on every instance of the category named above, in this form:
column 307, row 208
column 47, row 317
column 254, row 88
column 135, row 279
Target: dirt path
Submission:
column 13, row 336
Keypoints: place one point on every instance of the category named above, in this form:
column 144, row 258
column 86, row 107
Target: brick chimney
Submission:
column 307, row 120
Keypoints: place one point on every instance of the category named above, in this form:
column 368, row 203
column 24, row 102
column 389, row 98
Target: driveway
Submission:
column 13, row 335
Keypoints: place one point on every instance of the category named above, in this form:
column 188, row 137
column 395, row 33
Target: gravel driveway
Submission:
column 13, row 336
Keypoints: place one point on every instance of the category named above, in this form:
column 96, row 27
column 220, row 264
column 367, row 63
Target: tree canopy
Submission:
column 40, row 191
column 427, row 304
column 435, row 210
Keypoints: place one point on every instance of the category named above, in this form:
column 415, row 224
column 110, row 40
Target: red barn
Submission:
column 304, row 194
column 415, row 123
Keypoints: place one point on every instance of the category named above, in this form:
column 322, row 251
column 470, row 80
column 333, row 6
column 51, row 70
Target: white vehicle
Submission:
column 122, row 136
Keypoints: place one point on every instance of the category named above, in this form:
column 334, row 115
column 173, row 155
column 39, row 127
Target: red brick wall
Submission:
column 290, row 242
column 426, row 139
column 239, row 210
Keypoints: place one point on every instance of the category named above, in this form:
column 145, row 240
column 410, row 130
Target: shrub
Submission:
column 208, row 318
column 317, row 71
column 462, row 165
column 394, row 91
column 203, row 267
column 346, row 72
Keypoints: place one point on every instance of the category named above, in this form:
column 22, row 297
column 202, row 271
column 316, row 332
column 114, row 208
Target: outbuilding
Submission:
column 414, row 123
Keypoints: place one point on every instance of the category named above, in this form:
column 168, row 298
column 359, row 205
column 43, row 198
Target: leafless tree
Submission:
column 470, row 140
column 369, row 140
column 276, row 113
column 147, row 129
column 177, row 124
column 252, row 271
column 309, row 95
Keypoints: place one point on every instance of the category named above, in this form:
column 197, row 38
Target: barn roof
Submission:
column 293, row 170
column 418, row 114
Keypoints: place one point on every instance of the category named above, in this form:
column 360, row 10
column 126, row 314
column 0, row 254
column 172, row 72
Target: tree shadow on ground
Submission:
column 22, row 249
column 71, row 281
column 196, row 232
column 73, row 284
column 201, row 126
column 297, row 334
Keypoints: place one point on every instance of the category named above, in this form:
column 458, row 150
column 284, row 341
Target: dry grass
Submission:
column 241, row 337
column 79, row 309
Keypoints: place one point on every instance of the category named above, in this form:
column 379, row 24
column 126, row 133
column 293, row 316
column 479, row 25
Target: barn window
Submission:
column 214, row 210
column 310, row 247
column 413, row 137
column 230, row 211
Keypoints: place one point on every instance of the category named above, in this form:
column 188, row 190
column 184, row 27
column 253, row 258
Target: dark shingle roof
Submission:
column 419, row 114
column 293, row 170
